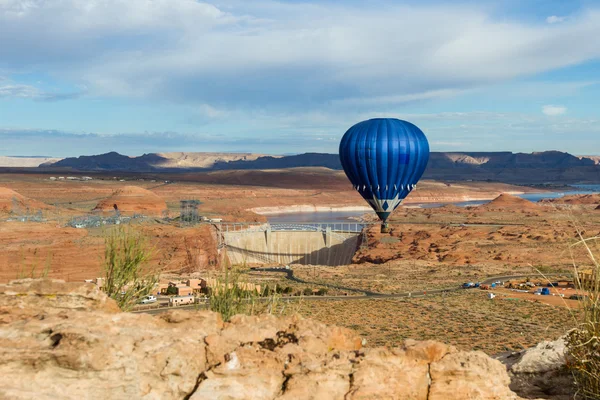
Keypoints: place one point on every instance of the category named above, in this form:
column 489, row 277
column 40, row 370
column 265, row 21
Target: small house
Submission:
column 184, row 290
column 196, row 284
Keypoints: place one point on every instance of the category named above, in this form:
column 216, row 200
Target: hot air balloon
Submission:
column 384, row 158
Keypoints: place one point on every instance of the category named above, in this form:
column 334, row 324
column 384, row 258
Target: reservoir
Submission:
column 347, row 216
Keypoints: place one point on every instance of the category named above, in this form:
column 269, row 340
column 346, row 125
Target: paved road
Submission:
column 373, row 296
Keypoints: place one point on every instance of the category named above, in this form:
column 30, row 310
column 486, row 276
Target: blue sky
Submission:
column 138, row 76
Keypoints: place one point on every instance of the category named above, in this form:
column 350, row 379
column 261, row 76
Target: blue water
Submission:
column 322, row 217
column 347, row 216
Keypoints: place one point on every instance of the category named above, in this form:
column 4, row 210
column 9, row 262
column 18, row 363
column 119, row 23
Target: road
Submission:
column 368, row 295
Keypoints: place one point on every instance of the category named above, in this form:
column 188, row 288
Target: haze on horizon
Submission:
column 278, row 77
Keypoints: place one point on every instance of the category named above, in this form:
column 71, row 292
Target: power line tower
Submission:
column 188, row 214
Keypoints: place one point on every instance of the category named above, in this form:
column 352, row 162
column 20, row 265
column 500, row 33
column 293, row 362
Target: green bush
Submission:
column 127, row 277
column 307, row 292
column 171, row 290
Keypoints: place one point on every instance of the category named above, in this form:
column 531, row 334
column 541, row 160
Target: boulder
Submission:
column 541, row 371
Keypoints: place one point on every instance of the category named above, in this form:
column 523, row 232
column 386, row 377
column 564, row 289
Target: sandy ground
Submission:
column 38, row 249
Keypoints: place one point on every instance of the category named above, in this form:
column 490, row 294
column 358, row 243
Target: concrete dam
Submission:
column 308, row 244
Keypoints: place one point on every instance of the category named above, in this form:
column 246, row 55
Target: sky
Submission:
column 82, row 77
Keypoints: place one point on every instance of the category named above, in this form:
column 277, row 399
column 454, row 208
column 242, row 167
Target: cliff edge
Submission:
column 68, row 341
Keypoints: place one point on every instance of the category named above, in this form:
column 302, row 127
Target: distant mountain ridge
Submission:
column 539, row 167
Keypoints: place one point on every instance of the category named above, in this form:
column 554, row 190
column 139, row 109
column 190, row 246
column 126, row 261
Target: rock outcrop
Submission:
column 68, row 341
column 509, row 202
column 541, row 371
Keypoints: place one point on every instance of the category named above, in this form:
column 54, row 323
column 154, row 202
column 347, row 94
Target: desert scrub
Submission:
column 29, row 271
column 126, row 273
column 231, row 297
column 584, row 341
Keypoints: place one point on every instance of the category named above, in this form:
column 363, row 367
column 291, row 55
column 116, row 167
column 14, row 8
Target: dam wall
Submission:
column 291, row 247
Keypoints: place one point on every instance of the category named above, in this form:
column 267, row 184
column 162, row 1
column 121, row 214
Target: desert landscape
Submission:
column 299, row 200
column 426, row 249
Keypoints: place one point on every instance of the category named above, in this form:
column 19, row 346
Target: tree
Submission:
column 172, row 290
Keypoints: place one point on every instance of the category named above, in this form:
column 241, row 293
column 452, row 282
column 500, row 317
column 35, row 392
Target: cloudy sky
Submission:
column 137, row 76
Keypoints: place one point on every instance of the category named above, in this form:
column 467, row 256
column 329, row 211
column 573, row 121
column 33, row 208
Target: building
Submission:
column 196, row 284
column 162, row 288
column 184, row 290
column 181, row 300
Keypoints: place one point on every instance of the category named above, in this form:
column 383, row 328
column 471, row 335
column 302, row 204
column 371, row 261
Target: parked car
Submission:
column 148, row 300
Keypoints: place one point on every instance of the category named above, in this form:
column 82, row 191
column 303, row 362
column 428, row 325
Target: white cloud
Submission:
column 553, row 19
column 554, row 110
column 400, row 98
column 9, row 89
column 211, row 112
column 281, row 55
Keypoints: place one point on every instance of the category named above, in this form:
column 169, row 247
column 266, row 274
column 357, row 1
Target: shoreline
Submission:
column 306, row 208
column 311, row 208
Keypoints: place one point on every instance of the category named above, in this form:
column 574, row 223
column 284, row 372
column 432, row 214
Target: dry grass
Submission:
column 466, row 319
column 584, row 340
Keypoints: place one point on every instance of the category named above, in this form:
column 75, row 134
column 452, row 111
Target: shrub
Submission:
column 287, row 290
column 171, row 290
column 267, row 290
column 307, row 292
column 127, row 278
column 229, row 299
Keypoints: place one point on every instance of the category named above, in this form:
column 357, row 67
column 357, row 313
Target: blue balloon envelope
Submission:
column 384, row 158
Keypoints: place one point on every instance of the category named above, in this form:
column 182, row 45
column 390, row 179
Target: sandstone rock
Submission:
column 473, row 375
column 546, row 356
column 42, row 297
column 540, row 372
column 67, row 341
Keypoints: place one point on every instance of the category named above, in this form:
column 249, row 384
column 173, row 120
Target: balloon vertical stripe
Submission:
column 384, row 158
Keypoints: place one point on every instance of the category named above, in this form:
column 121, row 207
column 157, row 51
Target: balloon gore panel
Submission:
column 384, row 158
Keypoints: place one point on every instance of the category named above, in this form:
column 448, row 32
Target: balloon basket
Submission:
column 385, row 228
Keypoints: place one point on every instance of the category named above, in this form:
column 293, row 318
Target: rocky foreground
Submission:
column 69, row 341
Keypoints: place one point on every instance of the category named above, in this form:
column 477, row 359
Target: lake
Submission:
column 345, row 216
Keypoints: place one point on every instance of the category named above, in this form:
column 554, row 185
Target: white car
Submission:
column 148, row 300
